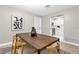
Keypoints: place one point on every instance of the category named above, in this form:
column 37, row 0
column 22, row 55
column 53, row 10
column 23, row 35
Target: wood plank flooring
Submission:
column 65, row 49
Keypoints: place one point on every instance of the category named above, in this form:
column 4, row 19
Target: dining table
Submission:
column 39, row 42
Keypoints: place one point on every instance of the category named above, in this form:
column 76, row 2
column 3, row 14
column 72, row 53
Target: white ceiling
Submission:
column 41, row 10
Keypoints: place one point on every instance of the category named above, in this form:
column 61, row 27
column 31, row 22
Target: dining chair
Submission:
column 17, row 44
column 54, row 47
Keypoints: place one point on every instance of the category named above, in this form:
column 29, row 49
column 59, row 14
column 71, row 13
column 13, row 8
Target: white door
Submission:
column 37, row 24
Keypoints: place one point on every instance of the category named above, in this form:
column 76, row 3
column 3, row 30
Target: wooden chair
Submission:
column 17, row 44
column 54, row 47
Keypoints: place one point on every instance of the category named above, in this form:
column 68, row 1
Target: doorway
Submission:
column 57, row 27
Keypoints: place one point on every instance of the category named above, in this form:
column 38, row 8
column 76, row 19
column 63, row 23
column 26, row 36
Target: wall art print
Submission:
column 17, row 23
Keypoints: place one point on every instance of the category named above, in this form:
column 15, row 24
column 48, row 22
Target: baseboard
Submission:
column 6, row 44
column 75, row 44
column 10, row 43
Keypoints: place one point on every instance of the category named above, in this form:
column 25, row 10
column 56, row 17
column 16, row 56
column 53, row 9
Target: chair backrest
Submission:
column 13, row 44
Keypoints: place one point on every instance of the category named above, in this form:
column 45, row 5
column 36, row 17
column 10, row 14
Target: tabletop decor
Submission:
column 33, row 32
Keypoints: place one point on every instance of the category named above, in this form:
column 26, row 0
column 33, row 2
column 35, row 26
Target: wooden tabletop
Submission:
column 40, row 42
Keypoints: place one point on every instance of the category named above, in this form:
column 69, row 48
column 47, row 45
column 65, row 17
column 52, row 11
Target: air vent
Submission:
column 47, row 6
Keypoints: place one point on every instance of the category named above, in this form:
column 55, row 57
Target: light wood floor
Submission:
column 63, row 46
column 69, row 48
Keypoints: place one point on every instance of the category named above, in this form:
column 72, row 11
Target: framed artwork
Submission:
column 17, row 23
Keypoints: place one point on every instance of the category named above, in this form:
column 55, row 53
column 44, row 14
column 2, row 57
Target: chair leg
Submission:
column 22, row 49
column 58, row 47
column 14, row 45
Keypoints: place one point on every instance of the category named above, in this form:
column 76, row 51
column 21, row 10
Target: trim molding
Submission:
column 6, row 44
column 71, row 43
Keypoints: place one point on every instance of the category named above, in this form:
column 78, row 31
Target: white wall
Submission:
column 5, row 22
column 46, row 25
column 37, row 24
column 71, row 24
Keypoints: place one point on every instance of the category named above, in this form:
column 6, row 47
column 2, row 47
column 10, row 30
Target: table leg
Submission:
column 15, row 51
column 38, row 51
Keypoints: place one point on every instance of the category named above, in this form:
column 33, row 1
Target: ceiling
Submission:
column 42, row 10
